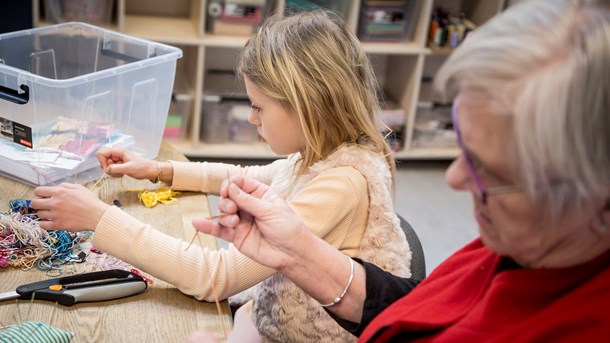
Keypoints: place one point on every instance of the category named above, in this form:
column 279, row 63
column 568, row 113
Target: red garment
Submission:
column 466, row 299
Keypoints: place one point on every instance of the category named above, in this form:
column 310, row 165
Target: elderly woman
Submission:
column 532, row 117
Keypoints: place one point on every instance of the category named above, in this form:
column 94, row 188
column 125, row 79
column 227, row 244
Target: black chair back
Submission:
column 418, row 262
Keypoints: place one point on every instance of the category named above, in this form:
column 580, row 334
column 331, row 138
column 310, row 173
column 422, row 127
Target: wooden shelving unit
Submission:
column 399, row 66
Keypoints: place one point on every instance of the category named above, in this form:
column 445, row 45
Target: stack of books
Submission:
column 385, row 20
column 235, row 17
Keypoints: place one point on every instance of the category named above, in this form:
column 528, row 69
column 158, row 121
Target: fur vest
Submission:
column 282, row 311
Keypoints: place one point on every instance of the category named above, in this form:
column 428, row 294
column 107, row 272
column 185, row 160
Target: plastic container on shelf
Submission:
column 433, row 127
column 390, row 21
column 226, row 120
column 215, row 119
column 67, row 90
column 179, row 110
column 340, row 7
column 241, row 130
column 97, row 12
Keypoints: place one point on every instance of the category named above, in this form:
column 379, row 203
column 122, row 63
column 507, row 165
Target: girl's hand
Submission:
column 258, row 221
column 117, row 162
column 68, row 207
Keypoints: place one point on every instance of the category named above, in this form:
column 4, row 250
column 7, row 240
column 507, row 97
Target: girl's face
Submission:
column 510, row 224
column 279, row 127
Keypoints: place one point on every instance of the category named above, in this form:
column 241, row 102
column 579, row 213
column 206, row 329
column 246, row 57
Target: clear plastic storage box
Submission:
column 68, row 90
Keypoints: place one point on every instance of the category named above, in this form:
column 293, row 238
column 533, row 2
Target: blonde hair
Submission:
column 548, row 64
column 315, row 66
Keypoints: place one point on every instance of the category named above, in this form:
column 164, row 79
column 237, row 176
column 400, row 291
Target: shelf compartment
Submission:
column 428, row 154
column 222, row 41
column 409, row 48
column 163, row 29
column 173, row 22
column 48, row 12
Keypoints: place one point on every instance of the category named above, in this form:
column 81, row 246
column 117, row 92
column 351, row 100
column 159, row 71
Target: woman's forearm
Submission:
column 323, row 272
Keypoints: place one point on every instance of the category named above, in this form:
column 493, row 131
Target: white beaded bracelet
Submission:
column 349, row 282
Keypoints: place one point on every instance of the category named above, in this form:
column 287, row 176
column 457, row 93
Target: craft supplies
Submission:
column 137, row 272
column 34, row 332
column 448, row 29
column 86, row 287
column 162, row 195
column 111, row 85
column 103, row 261
column 216, row 217
column 150, row 198
column 211, row 277
column 23, row 244
column 211, row 274
column 65, row 147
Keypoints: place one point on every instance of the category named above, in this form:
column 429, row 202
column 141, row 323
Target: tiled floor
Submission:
column 442, row 217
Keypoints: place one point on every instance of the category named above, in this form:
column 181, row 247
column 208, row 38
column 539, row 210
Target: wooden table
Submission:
column 160, row 314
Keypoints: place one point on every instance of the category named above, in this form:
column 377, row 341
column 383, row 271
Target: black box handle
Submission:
column 14, row 95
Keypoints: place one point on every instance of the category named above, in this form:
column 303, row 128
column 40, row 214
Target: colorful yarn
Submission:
column 21, row 206
column 137, row 272
column 23, row 244
column 104, row 261
column 35, row 332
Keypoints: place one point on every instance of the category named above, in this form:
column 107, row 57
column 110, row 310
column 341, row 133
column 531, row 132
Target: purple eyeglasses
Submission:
column 483, row 192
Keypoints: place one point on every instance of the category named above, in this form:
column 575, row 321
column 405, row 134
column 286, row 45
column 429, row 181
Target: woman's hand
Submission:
column 117, row 162
column 258, row 221
column 68, row 207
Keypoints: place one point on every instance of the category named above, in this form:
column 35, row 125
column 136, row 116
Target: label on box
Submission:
column 16, row 132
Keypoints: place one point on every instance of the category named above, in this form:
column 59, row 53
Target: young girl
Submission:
column 314, row 98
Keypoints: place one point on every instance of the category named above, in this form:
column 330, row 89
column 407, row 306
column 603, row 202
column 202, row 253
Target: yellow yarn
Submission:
column 162, row 195
column 150, row 199
column 101, row 182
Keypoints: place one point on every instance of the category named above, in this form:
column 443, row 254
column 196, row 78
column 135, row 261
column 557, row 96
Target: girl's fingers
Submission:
column 43, row 192
column 44, row 214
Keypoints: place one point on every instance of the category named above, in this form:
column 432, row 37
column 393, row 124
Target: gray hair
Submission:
column 548, row 64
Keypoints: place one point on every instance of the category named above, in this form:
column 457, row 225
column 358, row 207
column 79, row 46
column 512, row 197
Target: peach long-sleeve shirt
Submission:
column 334, row 205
